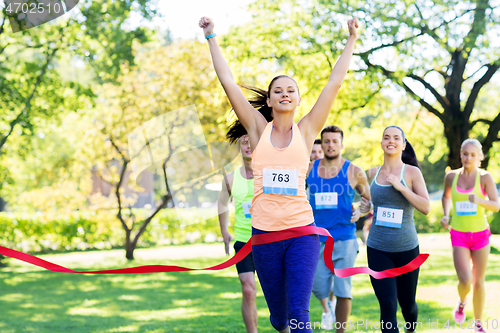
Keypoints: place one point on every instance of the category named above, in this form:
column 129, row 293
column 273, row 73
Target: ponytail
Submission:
column 409, row 156
column 259, row 101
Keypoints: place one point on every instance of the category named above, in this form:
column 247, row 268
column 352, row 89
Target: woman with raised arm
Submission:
column 468, row 192
column 281, row 151
column 397, row 187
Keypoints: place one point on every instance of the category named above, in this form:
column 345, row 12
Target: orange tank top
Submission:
column 280, row 200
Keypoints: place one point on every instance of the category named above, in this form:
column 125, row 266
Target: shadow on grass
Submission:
column 42, row 301
column 365, row 315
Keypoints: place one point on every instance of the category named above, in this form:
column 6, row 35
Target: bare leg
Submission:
column 342, row 312
column 479, row 262
column 461, row 259
column 248, row 306
column 324, row 304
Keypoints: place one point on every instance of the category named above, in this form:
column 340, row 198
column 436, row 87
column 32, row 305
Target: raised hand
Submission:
column 207, row 25
column 353, row 24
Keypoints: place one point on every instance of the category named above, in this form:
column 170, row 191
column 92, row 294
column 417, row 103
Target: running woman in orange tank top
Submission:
column 281, row 151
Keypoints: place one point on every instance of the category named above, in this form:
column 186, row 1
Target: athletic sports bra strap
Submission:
column 376, row 175
column 478, row 179
column 403, row 175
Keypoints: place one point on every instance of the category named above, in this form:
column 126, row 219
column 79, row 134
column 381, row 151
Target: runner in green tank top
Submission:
column 468, row 192
column 239, row 185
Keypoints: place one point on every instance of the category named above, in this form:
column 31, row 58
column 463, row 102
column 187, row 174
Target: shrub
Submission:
column 41, row 233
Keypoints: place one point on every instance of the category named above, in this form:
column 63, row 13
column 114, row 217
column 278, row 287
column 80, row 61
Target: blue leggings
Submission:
column 286, row 274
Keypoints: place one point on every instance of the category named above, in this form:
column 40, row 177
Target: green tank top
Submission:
column 466, row 216
column 242, row 191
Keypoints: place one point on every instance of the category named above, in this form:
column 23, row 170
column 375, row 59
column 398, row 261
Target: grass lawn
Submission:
column 34, row 300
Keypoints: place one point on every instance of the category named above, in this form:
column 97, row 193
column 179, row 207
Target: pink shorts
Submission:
column 470, row 240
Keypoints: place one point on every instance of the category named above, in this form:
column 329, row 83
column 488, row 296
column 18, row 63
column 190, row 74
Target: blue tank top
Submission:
column 331, row 201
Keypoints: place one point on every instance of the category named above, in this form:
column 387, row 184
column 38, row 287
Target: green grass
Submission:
column 33, row 300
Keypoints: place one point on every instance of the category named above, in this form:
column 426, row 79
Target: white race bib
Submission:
column 388, row 217
column 464, row 208
column 279, row 181
column 246, row 208
column 327, row 200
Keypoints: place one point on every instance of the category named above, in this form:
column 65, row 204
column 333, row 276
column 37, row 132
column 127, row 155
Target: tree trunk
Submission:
column 455, row 132
column 129, row 246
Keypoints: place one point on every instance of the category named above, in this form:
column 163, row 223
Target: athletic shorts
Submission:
column 343, row 256
column 246, row 265
column 470, row 240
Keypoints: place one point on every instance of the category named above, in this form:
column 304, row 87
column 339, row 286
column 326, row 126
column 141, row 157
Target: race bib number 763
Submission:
column 280, row 181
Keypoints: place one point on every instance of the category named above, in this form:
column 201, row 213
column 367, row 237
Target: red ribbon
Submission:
column 245, row 250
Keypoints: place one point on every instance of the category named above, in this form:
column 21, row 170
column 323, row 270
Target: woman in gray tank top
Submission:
column 397, row 187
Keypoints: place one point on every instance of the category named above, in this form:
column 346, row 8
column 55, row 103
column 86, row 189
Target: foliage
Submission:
column 37, row 79
column 429, row 223
column 442, row 54
column 149, row 115
column 47, row 174
column 495, row 223
column 85, row 230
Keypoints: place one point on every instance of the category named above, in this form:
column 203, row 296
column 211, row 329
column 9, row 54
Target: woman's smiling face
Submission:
column 392, row 141
column 284, row 95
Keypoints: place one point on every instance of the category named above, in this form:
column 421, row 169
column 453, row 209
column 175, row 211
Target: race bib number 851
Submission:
column 389, row 217
column 280, row 181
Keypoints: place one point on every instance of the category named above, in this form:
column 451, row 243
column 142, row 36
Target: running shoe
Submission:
column 459, row 313
column 479, row 328
column 327, row 321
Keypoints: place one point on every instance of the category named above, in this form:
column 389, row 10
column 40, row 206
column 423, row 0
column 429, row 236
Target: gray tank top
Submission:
column 394, row 231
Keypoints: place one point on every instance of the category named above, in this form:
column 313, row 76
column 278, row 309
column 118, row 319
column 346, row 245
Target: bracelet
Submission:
column 210, row 36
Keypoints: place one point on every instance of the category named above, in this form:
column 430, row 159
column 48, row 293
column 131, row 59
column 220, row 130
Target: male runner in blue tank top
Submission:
column 332, row 182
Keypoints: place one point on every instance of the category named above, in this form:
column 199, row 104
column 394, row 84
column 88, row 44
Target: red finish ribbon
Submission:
column 245, row 250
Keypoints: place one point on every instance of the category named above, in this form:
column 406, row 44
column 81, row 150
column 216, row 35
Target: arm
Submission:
column 312, row 123
column 253, row 121
column 491, row 190
column 223, row 210
column 446, row 199
column 363, row 189
column 366, row 204
column 417, row 195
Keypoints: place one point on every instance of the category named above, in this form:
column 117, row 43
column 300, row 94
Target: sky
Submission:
column 182, row 17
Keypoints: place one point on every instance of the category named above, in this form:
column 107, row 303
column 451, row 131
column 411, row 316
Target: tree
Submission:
column 441, row 53
column 32, row 83
column 465, row 57
column 132, row 124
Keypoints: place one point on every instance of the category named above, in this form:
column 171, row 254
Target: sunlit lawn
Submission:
column 33, row 300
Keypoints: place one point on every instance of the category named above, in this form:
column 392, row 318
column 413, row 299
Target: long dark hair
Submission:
column 258, row 100
column 408, row 156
